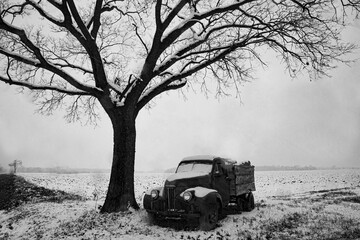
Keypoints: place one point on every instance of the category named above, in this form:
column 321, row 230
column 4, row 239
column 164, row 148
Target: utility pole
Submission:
column 15, row 164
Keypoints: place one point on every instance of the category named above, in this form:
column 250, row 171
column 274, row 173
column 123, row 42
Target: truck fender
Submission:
column 160, row 189
column 207, row 194
column 214, row 196
column 147, row 200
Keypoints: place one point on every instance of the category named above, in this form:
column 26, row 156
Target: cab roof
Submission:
column 199, row 157
column 207, row 158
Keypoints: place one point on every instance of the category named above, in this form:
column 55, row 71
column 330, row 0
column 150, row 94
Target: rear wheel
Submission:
column 249, row 203
column 240, row 203
column 245, row 202
column 209, row 218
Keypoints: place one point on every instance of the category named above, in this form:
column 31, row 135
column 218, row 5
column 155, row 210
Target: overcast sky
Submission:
column 279, row 121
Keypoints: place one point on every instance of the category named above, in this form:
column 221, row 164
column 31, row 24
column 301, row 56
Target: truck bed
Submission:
column 242, row 179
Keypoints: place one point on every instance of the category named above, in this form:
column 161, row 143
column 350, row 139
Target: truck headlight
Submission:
column 154, row 194
column 187, row 196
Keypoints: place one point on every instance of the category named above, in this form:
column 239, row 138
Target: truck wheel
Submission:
column 209, row 218
column 240, row 202
column 249, row 203
column 152, row 218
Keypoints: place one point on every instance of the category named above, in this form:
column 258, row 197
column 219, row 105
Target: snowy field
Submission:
column 318, row 204
column 268, row 183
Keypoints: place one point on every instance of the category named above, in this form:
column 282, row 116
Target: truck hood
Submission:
column 185, row 175
column 185, row 180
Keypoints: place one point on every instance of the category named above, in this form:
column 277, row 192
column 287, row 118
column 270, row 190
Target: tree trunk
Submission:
column 120, row 194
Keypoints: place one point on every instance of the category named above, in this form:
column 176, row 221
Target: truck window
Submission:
column 194, row 167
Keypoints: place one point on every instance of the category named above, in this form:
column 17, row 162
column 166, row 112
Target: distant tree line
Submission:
column 269, row 168
column 60, row 170
column 285, row 168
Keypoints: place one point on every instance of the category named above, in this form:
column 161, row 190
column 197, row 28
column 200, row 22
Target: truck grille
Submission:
column 171, row 197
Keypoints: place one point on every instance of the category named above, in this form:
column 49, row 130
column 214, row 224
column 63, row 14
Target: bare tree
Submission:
column 121, row 54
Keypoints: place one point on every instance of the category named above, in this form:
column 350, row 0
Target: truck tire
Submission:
column 153, row 218
column 249, row 203
column 208, row 219
column 240, row 203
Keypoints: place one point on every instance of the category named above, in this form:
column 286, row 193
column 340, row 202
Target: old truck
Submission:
column 201, row 188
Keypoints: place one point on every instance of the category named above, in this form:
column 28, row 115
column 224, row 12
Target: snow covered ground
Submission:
column 321, row 204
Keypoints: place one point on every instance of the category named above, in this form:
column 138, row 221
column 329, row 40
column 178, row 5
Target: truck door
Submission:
column 220, row 182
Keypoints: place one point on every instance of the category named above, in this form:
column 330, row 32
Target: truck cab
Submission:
column 200, row 188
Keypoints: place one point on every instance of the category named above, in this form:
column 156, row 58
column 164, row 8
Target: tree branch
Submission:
column 158, row 13
column 96, row 18
column 174, row 12
column 20, row 58
column 88, row 42
column 160, row 45
column 78, row 20
column 164, row 86
column 180, row 54
column 43, row 63
column 45, row 14
column 185, row 25
column 141, row 40
column 168, row 84
column 208, row 62
column 42, row 87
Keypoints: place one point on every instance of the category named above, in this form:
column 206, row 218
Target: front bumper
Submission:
column 174, row 214
column 181, row 210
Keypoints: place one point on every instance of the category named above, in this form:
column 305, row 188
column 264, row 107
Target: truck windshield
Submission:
column 194, row 167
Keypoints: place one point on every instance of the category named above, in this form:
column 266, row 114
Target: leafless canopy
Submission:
column 125, row 53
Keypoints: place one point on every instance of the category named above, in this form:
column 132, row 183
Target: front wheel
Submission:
column 209, row 218
column 152, row 218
